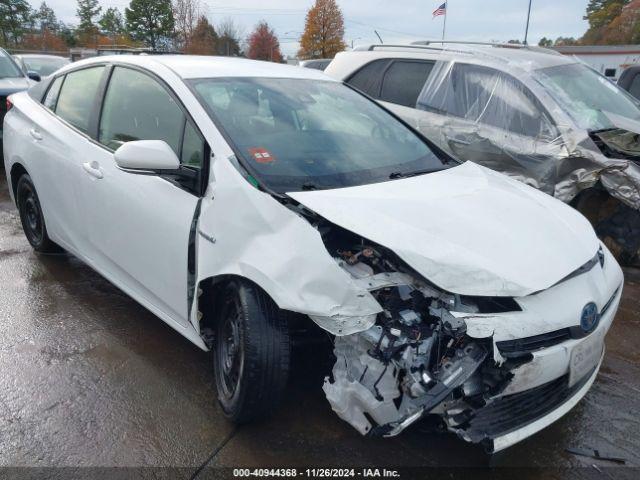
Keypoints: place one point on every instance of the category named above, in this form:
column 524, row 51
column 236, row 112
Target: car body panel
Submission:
column 469, row 249
column 247, row 233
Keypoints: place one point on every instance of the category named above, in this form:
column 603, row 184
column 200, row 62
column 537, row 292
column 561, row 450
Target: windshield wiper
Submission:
column 306, row 187
column 396, row 175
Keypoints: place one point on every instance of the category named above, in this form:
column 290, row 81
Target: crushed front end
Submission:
column 445, row 355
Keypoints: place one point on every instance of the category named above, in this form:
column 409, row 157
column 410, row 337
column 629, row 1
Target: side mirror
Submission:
column 147, row 155
column 35, row 76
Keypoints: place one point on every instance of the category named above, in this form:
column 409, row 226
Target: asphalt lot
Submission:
column 88, row 378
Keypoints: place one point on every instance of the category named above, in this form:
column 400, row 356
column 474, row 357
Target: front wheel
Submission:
column 252, row 350
column 617, row 224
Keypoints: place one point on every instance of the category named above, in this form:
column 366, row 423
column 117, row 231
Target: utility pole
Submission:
column 526, row 32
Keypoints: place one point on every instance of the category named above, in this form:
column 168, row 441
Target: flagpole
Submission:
column 444, row 25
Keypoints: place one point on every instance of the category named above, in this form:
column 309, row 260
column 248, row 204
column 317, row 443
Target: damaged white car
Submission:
column 243, row 202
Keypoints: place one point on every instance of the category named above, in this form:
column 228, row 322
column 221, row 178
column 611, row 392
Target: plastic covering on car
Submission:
column 517, row 123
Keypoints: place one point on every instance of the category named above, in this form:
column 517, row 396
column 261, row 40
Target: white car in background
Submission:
column 43, row 65
column 244, row 201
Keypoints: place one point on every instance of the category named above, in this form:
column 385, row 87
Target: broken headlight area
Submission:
column 416, row 359
column 617, row 143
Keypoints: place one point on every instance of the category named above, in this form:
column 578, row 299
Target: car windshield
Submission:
column 8, row 68
column 588, row 97
column 44, row 66
column 300, row 134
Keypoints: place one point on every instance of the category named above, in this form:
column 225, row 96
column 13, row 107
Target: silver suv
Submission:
column 543, row 118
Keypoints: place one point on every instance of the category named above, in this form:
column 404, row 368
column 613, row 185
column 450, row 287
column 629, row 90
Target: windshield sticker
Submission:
column 262, row 155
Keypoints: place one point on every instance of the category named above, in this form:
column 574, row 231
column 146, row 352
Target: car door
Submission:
column 491, row 118
column 139, row 225
column 60, row 142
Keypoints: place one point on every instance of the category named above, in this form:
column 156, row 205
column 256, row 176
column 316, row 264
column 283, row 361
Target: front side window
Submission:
column 77, row 96
column 487, row 96
column 192, row 147
column 586, row 96
column 299, row 134
column 403, row 82
column 137, row 107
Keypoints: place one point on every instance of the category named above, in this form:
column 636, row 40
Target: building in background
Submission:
column 610, row 60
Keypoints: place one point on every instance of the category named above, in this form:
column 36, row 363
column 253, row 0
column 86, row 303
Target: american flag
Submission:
column 441, row 10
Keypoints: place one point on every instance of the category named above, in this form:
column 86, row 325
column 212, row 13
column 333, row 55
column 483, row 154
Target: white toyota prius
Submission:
column 242, row 202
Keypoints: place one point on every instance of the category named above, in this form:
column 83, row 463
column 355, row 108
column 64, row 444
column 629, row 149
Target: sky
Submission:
column 395, row 20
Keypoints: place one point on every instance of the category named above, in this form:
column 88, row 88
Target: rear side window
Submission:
column 137, row 107
column 77, row 96
column 634, row 89
column 487, row 96
column 52, row 95
column 403, row 82
column 369, row 77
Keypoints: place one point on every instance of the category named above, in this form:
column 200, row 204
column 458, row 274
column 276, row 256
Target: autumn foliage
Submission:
column 203, row 40
column 263, row 44
column 612, row 22
column 323, row 35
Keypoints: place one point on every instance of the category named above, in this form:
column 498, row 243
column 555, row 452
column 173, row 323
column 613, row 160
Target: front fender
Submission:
column 245, row 232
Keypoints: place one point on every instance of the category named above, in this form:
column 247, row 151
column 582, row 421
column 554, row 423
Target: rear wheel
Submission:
column 32, row 218
column 617, row 224
column 252, row 350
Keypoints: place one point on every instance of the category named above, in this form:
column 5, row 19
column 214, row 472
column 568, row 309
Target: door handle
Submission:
column 93, row 169
column 35, row 134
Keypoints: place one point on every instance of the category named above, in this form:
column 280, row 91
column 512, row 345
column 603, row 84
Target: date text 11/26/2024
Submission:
column 316, row 472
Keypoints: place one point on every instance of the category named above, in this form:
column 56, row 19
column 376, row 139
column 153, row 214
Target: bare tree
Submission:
column 230, row 38
column 186, row 14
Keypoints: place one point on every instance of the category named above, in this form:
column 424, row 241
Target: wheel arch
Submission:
column 17, row 170
column 208, row 295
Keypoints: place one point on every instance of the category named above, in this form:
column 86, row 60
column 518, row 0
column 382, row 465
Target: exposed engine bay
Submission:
column 417, row 359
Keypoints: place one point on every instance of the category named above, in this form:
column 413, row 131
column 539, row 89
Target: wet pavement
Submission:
column 88, row 378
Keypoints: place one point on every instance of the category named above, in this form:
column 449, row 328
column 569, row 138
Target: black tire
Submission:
column 252, row 353
column 617, row 224
column 32, row 218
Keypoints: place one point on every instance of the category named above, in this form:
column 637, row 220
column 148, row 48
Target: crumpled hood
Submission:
column 467, row 229
column 13, row 85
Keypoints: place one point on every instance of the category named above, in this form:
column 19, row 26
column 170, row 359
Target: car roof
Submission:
column 39, row 55
column 503, row 56
column 197, row 66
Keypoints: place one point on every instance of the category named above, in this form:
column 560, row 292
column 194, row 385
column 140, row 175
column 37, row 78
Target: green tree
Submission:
column 46, row 18
column 229, row 38
column 565, row 41
column 15, row 15
column 545, row 42
column 68, row 35
column 150, row 21
column 87, row 10
column 111, row 22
